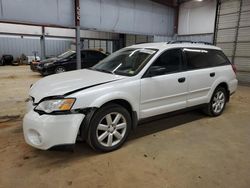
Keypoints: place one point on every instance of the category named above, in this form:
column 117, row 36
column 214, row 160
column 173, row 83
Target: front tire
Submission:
column 109, row 128
column 217, row 103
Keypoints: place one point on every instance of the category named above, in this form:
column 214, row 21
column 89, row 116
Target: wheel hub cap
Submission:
column 111, row 129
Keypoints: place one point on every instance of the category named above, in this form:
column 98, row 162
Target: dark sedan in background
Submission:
column 67, row 62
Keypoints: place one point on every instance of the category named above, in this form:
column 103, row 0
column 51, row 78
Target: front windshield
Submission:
column 128, row 61
column 66, row 54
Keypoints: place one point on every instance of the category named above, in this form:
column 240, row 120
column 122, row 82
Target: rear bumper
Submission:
column 33, row 67
column 232, row 86
column 46, row 131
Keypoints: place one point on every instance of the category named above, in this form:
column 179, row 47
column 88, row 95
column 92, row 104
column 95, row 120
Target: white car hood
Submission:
column 60, row 84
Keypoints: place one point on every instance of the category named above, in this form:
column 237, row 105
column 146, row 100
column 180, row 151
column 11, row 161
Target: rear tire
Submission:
column 60, row 70
column 217, row 103
column 109, row 128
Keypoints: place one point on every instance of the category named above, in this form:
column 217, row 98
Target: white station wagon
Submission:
column 104, row 103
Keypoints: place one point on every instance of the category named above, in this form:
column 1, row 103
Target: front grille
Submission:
column 41, row 65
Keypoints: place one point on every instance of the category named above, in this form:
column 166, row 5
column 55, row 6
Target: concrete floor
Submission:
column 15, row 82
column 185, row 150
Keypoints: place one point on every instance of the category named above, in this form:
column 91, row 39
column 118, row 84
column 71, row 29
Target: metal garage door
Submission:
column 233, row 34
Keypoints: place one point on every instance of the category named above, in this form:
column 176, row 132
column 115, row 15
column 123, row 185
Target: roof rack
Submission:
column 188, row 41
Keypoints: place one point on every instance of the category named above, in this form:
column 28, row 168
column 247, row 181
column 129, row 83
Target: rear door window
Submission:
column 203, row 58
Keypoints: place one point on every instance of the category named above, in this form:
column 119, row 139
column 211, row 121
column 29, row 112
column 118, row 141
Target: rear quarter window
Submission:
column 219, row 58
column 204, row 58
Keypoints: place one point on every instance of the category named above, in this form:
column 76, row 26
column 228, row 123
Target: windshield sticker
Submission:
column 131, row 72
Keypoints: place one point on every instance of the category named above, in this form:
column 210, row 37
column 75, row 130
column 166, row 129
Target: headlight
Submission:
column 52, row 105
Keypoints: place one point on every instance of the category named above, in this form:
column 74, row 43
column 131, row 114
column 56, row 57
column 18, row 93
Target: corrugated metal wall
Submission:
column 233, row 34
column 57, row 46
column 16, row 45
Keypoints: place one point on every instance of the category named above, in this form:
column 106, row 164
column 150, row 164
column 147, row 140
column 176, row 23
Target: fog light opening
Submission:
column 35, row 137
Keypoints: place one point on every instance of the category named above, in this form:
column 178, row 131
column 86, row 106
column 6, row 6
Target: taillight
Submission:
column 234, row 68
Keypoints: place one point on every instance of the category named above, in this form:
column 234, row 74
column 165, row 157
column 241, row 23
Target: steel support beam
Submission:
column 78, row 48
column 42, row 42
column 176, row 19
column 237, row 33
column 216, row 21
column 78, row 37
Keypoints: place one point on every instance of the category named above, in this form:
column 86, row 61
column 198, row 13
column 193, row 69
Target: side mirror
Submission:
column 156, row 70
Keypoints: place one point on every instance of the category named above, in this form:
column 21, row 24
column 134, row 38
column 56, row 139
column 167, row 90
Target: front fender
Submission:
column 134, row 103
column 128, row 90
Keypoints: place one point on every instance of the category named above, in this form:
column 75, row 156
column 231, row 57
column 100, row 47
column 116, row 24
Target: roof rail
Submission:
column 188, row 41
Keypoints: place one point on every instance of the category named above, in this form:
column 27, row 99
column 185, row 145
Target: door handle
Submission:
column 212, row 74
column 181, row 80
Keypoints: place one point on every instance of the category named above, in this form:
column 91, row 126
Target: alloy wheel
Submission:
column 218, row 102
column 60, row 70
column 111, row 129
